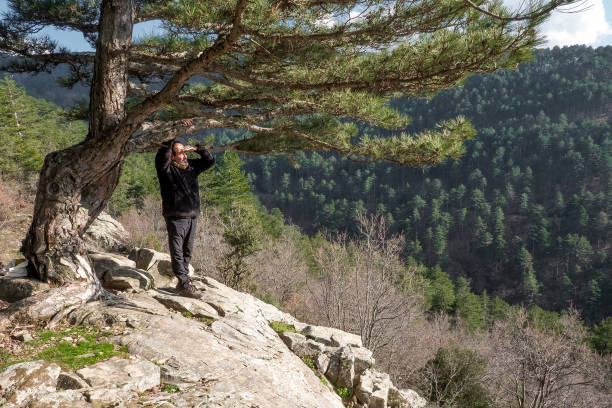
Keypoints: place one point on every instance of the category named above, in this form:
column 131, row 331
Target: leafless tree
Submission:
column 531, row 367
column 363, row 286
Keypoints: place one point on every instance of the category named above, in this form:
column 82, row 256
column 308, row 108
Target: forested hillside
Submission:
column 524, row 214
column 501, row 220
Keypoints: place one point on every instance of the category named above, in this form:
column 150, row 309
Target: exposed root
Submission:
column 46, row 305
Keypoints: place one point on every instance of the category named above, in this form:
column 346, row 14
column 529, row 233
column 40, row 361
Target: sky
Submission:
column 591, row 26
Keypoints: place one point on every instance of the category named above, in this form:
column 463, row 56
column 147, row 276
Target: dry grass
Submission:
column 15, row 216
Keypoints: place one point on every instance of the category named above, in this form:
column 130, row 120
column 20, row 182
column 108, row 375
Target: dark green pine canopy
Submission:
column 288, row 71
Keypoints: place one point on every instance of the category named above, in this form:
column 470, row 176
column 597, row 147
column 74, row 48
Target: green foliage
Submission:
column 601, row 339
column 229, row 190
column 453, row 379
column 282, row 327
column 29, row 129
column 170, row 388
column 344, row 393
column 308, row 360
column 207, row 320
column 77, row 356
column 440, row 293
column 540, row 169
column 49, row 345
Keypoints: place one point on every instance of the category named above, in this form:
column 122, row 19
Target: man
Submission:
column 178, row 182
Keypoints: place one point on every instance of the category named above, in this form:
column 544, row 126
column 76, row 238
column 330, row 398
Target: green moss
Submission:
column 207, row 320
column 48, row 345
column 187, row 314
column 308, row 360
column 282, row 327
column 171, row 389
column 344, row 393
column 74, row 357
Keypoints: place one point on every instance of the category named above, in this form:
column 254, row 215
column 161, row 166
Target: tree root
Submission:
column 53, row 304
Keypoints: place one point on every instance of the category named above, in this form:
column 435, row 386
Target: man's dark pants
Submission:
column 181, row 233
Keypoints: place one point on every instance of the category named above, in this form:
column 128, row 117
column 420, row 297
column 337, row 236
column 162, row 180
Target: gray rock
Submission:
column 363, row 359
column 108, row 397
column 126, row 278
column 13, row 289
column 60, row 399
column 405, row 398
column 129, row 375
column 172, row 372
column 106, row 233
column 341, row 368
column 332, row 337
column 104, row 261
column 22, row 336
column 239, row 360
column 196, row 307
column 22, row 382
column 373, row 389
column 17, row 268
column 158, row 264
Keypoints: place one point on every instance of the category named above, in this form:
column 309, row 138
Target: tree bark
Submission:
column 76, row 183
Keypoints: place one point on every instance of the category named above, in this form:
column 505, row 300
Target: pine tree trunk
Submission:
column 74, row 186
column 76, row 183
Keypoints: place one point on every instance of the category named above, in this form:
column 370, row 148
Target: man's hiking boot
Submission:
column 189, row 290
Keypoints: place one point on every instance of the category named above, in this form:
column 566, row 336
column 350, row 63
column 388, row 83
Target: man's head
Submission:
column 178, row 154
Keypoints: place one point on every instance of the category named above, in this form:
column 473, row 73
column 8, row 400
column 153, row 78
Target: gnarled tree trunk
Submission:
column 76, row 183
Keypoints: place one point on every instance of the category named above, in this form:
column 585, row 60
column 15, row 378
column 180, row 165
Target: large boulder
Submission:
column 158, row 264
column 341, row 368
column 23, row 382
column 106, row 233
column 127, row 374
column 332, row 337
column 120, row 273
column 405, row 398
column 373, row 389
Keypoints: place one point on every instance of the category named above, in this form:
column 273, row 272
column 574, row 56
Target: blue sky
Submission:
column 592, row 26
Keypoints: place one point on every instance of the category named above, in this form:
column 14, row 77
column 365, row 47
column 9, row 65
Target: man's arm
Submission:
column 163, row 158
column 205, row 161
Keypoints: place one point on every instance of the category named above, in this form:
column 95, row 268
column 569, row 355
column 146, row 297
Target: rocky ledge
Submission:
column 218, row 351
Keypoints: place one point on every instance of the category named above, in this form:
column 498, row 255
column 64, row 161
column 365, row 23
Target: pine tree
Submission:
column 285, row 72
column 229, row 190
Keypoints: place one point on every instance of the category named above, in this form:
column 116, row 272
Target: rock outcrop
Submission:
column 220, row 351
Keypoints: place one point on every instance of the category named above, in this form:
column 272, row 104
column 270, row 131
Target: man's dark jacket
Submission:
column 179, row 187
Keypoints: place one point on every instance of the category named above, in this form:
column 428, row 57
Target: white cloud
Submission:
column 568, row 28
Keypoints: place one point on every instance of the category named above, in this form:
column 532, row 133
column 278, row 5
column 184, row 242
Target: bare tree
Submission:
column 363, row 286
column 531, row 367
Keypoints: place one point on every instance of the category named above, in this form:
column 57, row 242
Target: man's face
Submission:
column 178, row 154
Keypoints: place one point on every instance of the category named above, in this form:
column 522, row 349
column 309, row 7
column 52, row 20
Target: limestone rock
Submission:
column 13, row 289
column 196, row 307
column 332, row 337
column 104, row 261
column 106, row 233
column 373, row 389
column 129, row 375
column 240, row 360
column 108, row 397
column 158, row 264
column 405, row 398
column 17, row 268
column 22, row 382
column 60, row 399
column 363, row 359
column 126, row 278
column 341, row 369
